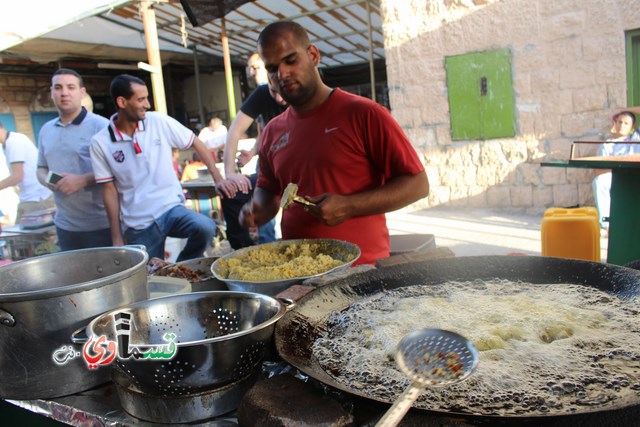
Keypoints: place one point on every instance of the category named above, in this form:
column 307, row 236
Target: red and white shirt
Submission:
column 141, row 166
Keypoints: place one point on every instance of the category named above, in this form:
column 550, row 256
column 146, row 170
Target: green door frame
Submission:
column 632, row 49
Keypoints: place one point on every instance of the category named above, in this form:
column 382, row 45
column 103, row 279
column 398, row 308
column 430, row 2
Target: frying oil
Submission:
column 544, row 349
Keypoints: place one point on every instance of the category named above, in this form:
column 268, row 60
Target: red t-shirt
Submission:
column 347, row 145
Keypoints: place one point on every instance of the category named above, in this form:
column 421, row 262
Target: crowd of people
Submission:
column 111, row 183
column 117, row 181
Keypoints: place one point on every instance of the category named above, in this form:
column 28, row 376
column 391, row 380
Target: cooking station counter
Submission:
column 102, row 405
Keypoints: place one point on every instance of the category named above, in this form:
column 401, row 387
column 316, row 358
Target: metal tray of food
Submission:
column 347, row 253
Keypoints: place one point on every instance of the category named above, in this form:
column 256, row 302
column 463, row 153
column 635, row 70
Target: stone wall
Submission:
column 569, row 76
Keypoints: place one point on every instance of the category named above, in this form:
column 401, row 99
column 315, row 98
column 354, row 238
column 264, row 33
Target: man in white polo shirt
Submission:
column 22, row 159
column 132, row 160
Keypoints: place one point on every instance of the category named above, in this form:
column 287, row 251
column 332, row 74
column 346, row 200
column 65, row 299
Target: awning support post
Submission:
column 153, row 53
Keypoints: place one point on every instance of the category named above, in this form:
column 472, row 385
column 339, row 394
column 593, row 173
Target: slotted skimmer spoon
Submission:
column 429, row 357
column 290, row 195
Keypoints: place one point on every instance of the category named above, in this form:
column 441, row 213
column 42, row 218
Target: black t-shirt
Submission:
column 260, row 105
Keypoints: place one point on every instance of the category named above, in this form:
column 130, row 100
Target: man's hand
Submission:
column 245, row 157
column 70, row 183
column 330, row 209
column 246, row 218
column 227, row 188
column 242, row 182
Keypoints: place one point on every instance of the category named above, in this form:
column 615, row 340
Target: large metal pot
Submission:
column 341, row 250
column 43, row 300
column 219, row 337
column 300, row 327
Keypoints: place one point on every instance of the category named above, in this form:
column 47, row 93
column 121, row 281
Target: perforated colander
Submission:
column 220, row 338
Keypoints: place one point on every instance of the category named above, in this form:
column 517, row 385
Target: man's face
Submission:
column 135, row 108
column 273, row 91
column 66, row 93
column 256, row 69
column 624, row 124
column 291, row 69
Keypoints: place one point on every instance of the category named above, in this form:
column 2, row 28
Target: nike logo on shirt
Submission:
column 327, row 130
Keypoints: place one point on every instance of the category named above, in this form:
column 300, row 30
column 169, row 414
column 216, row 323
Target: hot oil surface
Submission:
column 544, row 349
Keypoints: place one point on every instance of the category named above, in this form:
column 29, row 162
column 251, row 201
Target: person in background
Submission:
column 622, row 132
column 214, row 136
column 63, row 148
column 142, row 195
column 262, row 105
column 191, row 170
column 346, row 153
column 177, row 167
column 22, row 160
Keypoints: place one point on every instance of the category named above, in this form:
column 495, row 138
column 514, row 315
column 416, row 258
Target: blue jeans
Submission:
column 602, row 195
column 72, row 240
column 176, row 222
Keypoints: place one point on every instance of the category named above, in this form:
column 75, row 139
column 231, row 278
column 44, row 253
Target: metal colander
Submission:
column 220, row 338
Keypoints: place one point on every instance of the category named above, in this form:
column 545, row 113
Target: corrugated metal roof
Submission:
column 340, row 29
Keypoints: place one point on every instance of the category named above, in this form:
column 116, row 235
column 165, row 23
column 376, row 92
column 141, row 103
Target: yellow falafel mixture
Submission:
column 266, row 264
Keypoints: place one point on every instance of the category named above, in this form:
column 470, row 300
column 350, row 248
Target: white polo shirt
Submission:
column 18, row 148
column 141, row 166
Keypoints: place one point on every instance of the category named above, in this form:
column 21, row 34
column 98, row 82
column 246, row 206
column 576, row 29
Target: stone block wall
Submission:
column 22, row 94
column 569, row 76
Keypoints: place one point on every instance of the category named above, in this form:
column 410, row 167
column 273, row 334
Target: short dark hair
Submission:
column 121, row 86
column 277, row 29
column 628, row 114
column 69, row 71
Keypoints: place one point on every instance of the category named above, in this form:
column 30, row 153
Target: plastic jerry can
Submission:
column 571, row 233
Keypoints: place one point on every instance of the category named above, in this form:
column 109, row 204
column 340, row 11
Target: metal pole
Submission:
column 196, row 70
column 228, row 75
column 153, row 53
column 371, row 68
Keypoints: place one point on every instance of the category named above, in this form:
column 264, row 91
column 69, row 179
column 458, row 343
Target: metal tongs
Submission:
column 290, row 196
column 430, row 357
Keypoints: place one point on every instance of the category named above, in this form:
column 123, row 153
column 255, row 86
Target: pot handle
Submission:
column 7, row 318
column 79, row 336
column 289, row 303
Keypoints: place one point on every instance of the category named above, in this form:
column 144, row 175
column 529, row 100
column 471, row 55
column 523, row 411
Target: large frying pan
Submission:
column 299, row 328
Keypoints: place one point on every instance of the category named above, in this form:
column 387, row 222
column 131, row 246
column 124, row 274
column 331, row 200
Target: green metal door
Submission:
column 481, row 95
column 633, row 67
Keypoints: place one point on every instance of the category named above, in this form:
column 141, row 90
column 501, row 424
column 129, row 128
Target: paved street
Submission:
column 475, row 231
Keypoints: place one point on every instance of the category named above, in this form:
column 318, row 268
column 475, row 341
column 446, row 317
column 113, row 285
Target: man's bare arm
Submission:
column 398, row 192
column 238, row 128
column 15, row 177
column 112, row 206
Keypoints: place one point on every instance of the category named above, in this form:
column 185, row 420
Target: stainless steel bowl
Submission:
column 220, row 337
column 337, row 249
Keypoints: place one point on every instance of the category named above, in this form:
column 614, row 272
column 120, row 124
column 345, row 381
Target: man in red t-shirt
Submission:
column 346, row 153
